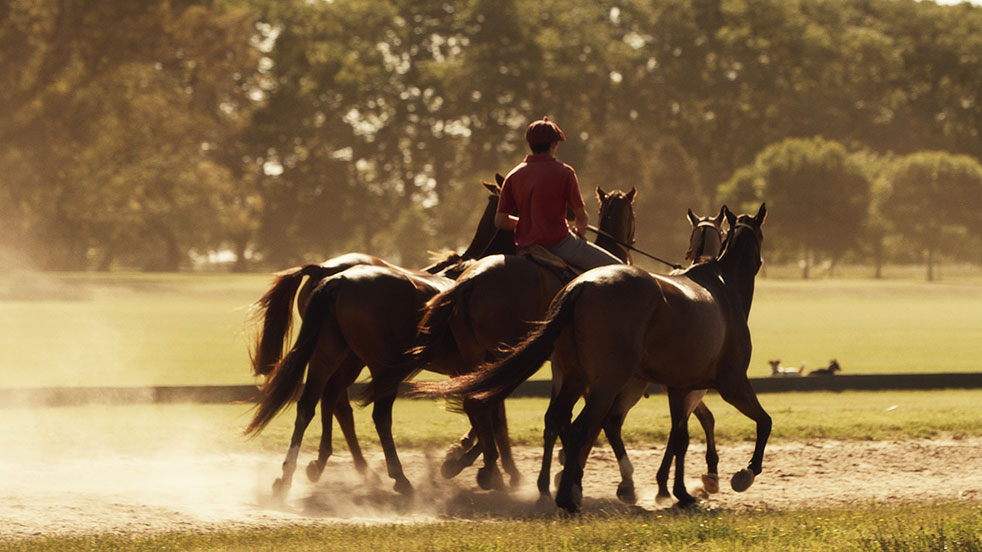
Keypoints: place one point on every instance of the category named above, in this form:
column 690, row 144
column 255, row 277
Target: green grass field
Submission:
column 850, row 415
column 950, row 527
column 194, row 329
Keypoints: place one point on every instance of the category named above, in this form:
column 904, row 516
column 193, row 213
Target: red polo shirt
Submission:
column 540, row 188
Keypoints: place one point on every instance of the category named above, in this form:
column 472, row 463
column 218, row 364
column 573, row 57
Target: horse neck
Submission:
column 614, row 248
column 738, row 265
column 485, row 231
column 503, row 243
column 623, row 234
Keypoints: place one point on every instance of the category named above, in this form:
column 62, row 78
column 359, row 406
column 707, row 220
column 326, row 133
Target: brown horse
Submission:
column 479, row 310
column 618, row 326
column 705, row 242
column 494, row 303
column 276, row 306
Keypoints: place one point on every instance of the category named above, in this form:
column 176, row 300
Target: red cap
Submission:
column 544, row 131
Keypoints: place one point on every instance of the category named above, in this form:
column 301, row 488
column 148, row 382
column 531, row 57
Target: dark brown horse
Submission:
column 494, row 303
column 618, row 326
column 479, row 310
column 276, row 307
column 705, row 242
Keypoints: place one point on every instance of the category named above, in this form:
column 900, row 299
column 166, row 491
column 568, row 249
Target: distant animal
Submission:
column 778, row 371
column 829, row 370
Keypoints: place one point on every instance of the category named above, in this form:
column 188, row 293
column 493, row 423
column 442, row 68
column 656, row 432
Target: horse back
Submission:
column 505, row 295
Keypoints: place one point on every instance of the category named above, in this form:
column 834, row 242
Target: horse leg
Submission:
column 740, row 394
column 334, row 403
column 678, row 443
column 612, row 429
column 460, row 455
column 583, row 434
column 488, row 476
column 710, row 479
column 345, row 417
column 504, row 444
column 382, row 416
column 557, row 420
column 306, row 405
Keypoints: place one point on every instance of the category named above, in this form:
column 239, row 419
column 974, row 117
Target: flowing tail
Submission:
column 275, row 309
column 287, row 376
column 493, row 382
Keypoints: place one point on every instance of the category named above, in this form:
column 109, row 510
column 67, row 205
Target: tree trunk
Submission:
column 241, row 263
column 805, row 264
column 930, row 264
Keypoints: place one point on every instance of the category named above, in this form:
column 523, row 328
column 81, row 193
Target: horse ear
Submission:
column 631, row 195
column 499, row 179
column 718, row 219
column 601, row 195
column 490, row 187
column 730, row 217
column 693, row 219
column 761, row 213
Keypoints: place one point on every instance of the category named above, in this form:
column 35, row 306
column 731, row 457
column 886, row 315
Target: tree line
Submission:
column 155, row 134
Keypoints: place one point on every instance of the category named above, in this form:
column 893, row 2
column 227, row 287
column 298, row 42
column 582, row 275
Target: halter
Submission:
column 756, row 232
column 690, row 254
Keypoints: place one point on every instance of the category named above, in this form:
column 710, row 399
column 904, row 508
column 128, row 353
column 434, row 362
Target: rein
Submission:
column 600, row 232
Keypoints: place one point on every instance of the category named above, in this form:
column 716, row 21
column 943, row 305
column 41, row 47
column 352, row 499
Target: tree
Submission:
column 934, row 198
column 818, row 196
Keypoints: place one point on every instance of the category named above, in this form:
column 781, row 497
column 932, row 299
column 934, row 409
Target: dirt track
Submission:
column 132, row 494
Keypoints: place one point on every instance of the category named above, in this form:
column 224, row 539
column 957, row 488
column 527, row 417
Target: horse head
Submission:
column 744, row 232
column 617, row 219
column 706, row 239
column 486, row 231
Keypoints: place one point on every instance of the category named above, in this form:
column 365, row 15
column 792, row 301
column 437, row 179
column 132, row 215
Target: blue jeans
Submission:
column 583, row 254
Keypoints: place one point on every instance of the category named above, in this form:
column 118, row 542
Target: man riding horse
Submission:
column 541, row 188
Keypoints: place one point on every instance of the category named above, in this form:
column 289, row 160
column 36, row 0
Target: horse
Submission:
column 493, row 422
column 276, row 306
column 478, row 310
column 778, row 371
column 829, row 370
column 493, row 303
column 365, row 315
column 619, row 326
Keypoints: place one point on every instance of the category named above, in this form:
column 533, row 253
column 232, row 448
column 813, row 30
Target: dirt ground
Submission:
column 104, row 493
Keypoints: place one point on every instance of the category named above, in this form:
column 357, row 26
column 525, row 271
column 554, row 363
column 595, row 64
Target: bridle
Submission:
column 694, row 254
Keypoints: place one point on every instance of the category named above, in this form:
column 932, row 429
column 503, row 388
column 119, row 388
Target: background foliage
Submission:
column 158, row 134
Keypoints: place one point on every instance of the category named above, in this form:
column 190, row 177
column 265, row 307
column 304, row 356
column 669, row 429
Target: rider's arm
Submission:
column 580, row 221
column 504, row 221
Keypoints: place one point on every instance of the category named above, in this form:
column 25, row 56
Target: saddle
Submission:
column 549, row 260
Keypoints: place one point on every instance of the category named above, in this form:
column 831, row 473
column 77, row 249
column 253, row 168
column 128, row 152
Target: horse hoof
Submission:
column 280, row 489
column 514, row 480
column 570, row 501
column 742, row 480
column 454, row 453
column 314, row 471
column 403, row 487
column 626, row 493
column 686, row 502
column 451, row 467
column 710, row 482
column 663, row 499
column 490, row 479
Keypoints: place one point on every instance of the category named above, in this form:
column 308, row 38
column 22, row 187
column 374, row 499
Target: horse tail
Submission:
column 275, row 309
column 434, row 343
column 494, row 381
column 287, row 376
